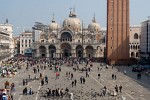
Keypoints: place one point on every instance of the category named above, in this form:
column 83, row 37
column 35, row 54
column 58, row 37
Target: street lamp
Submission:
column 82, row 40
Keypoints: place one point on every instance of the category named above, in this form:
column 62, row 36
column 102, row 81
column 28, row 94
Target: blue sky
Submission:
column 23, row 13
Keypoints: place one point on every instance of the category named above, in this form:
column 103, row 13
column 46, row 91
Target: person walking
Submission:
column 98, row 68
column 71, row 96
column 72, row 83
column 40, row 75
column 120, row 89
column 81, row 80
column 71, row 76
column 67, row 74
column 116, row 88
column 112, row 76
column 6, row 85
column 61, row 93
column 75, row 82
column 112, row 66
column 25, row 91
column 12, row 89
column 59, row 69
column 11, row 96
column 99, row 76
column 67, row 90
column 57, row 75
column 30, row 91
column 87, row 74
column 42, row 82
column 24, row 82
column 46, row 79
column 115, row 77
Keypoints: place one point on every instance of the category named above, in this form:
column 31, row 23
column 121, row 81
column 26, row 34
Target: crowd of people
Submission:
column 7, row 92
column 8, row 69
column 55, row 65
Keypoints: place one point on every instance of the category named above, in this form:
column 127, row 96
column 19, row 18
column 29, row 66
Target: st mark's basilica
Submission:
column 71, row 39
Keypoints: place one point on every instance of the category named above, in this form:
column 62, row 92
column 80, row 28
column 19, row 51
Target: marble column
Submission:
column 37, row 53
column 47, row 53
column 84, row 53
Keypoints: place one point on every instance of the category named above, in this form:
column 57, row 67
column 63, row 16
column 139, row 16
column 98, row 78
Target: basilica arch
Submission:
column 89, row 51
column 79, row 51
column 66, row 36
column 52, row 51
column 65, row 50
column 42, row 51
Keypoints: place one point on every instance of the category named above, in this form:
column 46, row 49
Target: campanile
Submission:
column 117, row 46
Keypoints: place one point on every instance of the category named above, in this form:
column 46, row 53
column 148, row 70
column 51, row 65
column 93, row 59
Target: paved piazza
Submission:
column 133, row 89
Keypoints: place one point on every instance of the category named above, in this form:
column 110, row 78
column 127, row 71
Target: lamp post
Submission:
column 82, row 40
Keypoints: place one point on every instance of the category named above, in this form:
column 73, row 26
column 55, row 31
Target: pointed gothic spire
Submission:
column 70, row 15
column 94, row 20
column 53, row 19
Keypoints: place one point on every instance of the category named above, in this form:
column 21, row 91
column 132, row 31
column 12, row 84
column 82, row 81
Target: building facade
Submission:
column 9, row 29
column 16, row 45
column 134, row 44
column 26, row 41
column 70, row 40
column 145, row 40
column 117, row 31
column 5, row 51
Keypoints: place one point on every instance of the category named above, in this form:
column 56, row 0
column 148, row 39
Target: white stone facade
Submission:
column 71, row 39
column 16, row 45
column 134, row 44
column 26, row 40
column 6, row 41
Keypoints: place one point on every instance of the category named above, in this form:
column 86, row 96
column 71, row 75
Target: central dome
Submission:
column 72, row 22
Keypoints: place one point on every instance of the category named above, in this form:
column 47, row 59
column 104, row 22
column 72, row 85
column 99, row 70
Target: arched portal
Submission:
column 66, row 36
column 79, row 51
column 42, row 50
column 132, row 55
column 52, row 51
column 66, row 50
column 89, row 51
column 137, row 54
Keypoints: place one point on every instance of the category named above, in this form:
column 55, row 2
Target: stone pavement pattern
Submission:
column 132, row 89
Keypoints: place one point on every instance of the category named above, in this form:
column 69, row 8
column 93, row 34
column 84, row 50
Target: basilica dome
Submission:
column 54, row 26
column 94, row 26
column 72, row 22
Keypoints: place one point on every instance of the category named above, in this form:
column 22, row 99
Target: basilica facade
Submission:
column 71, row 39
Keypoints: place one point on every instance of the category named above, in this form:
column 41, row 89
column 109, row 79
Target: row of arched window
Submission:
column 134, row 47
column 134, row 54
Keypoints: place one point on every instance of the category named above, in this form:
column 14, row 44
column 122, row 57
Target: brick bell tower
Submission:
column 117, row 45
